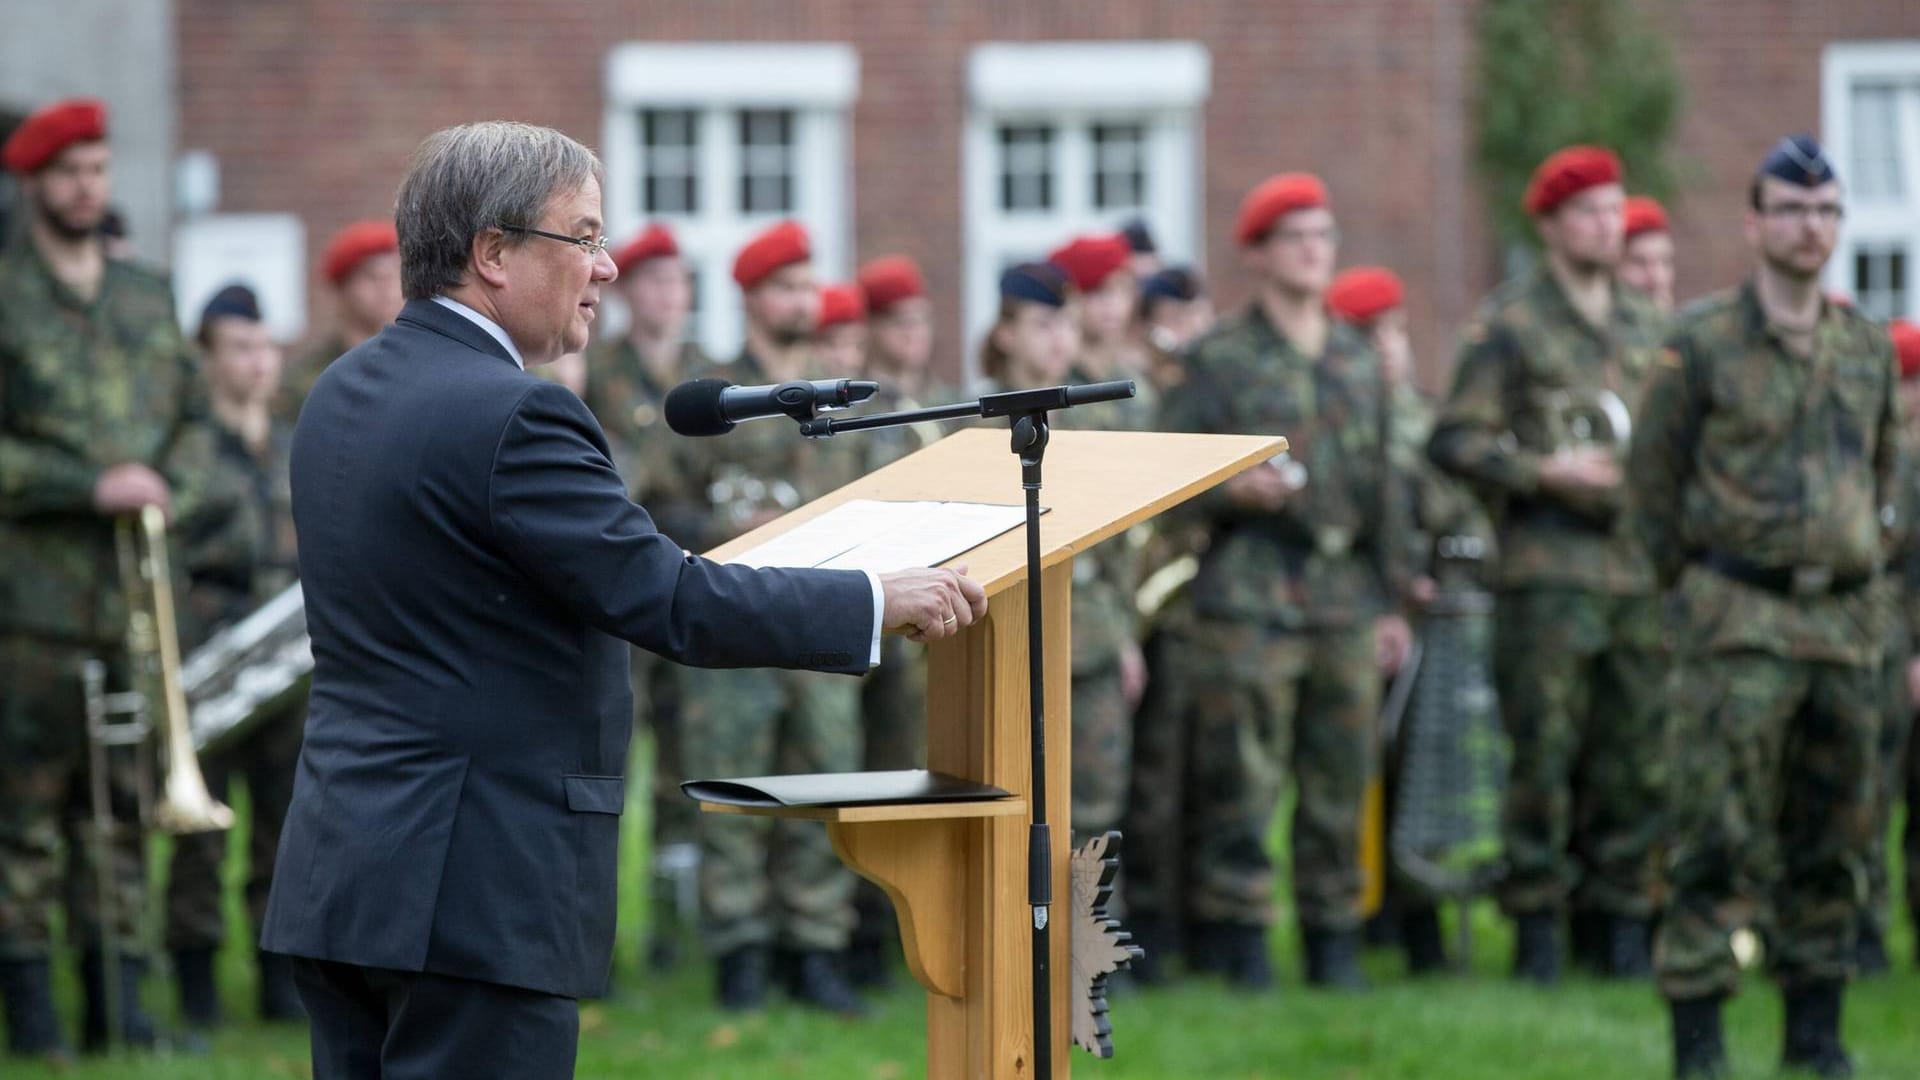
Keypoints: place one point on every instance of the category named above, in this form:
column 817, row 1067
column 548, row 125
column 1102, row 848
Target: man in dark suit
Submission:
column 473, row 573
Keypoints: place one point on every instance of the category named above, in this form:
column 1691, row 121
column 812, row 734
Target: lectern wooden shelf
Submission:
column 956, row 869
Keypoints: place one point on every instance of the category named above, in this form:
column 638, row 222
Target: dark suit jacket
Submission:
column 471, row 565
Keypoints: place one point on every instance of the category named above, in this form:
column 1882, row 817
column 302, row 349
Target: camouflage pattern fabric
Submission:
column 84, row 384
column 302, row 373
column 761, row 881
column 1527, row 351
column 1280, row 679
column 1786, row 460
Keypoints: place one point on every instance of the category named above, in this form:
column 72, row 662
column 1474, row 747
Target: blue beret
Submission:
column 234, row 300
column 1799, row 161
column 1173, row 283
column 1035, row 283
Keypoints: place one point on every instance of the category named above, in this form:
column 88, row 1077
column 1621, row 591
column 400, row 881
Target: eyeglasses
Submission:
column 1824, row 213
column 592, row 245
column 1328, row 234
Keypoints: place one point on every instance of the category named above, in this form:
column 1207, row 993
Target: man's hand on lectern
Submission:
column 927, row 605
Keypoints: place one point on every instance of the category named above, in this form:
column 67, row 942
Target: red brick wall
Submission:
column 313, row 105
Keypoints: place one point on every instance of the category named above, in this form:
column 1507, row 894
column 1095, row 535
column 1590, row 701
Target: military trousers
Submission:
column 1580, row 677
column 1155, row 817
column 48, row 841
column 770, row 881
column 1269, row 707
column 266, row 759
column 1892, row 783
column 1102, row 751
column 1774, row 768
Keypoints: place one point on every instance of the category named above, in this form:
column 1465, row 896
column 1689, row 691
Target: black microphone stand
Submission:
column 1026, row 411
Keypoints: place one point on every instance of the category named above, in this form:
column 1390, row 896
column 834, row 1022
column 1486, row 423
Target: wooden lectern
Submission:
column 956, row 871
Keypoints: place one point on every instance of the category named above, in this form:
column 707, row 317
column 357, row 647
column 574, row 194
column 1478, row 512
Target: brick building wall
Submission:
column 312, row 106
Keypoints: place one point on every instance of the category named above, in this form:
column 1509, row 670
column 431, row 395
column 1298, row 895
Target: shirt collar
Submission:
column 492, row 328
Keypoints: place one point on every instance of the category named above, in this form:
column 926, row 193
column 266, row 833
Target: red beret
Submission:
column 1275, row 198
column 1568, row 172
column 355, row 244
column 40, row 137
column 654, row 242
column 779, row 246
column 841, row 304
column 889, row 280
column 1091, row 260
column 1645, row 215
column 1364, row 293
column 1906, row 346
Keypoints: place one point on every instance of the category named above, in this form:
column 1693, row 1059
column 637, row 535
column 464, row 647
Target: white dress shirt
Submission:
column 499, row 334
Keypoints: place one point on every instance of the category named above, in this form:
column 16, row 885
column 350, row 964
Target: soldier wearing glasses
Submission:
column 1771, row 432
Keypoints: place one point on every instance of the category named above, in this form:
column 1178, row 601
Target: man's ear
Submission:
column 488, row 257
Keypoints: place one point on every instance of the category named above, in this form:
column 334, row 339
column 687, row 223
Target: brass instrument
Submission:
column 126, row 719
column 249, row 671
column 742, row 496
column 1585, row 418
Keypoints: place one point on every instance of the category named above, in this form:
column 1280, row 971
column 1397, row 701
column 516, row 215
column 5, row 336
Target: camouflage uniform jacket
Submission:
column 885, row 446
column 1526, row 353
column 624, row 396
column 303, row 373
column 238, row 548
column 1105, row 620
column 764, row 465
column 1333, row 555
column 1783, row 461
column 84, row 385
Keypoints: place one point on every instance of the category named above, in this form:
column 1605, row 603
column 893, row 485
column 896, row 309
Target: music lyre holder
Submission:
column 1026, row 411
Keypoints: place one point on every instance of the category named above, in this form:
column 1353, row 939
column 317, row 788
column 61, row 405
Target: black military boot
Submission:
column 1699, row 1048
column 136, row 1027
column 1587, row 939
column 1333, row 959
column 742, row 979
column 279, row 997
column 1150, row 933
column 1204, row 949
column 33, row 1027
column 1420, row 936
column 1813, row 1031
column 1870, row 951
column 818, row 981
column 199, row 992
column 1241, row 950
column 1536, row 948
column 1629, row 949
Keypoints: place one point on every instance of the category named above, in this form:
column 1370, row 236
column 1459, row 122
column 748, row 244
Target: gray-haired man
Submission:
column 471, row 565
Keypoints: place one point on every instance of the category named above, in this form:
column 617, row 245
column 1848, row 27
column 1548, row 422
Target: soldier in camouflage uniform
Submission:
column 1293, row 607
column 772, row 891
column 362, row 264
column 1768, row 448
column 1646, row 257
column 238, row 552
column 1578, row 651
column 627, row 383
column 1034, row 342
column 98, row 418
column 1900, row 669
column 1109, row 669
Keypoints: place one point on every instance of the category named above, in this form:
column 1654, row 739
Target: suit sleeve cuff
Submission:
column 879, row 613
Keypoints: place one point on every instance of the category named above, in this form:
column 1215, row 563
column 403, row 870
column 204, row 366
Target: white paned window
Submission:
column 719, row 141
column 1871, row 108
column 1069, row 137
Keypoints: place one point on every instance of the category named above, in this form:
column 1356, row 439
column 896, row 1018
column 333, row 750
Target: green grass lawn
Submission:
column 1466, row 1027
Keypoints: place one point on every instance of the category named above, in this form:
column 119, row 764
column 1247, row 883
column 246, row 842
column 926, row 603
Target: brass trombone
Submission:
column 126, row 719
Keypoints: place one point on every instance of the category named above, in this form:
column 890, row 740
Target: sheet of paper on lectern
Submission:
column 882, row 536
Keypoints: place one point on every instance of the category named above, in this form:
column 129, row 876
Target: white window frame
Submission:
column 1843, row 66
column 817, row 81
column 1071, row 86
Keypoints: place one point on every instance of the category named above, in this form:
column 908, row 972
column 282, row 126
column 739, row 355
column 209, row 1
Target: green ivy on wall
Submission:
column 1556, row 72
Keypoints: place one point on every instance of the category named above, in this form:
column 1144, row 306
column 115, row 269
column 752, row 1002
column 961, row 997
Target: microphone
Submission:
column 714, row 406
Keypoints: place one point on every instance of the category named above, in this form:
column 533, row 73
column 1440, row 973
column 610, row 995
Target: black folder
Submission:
column 842, row 789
